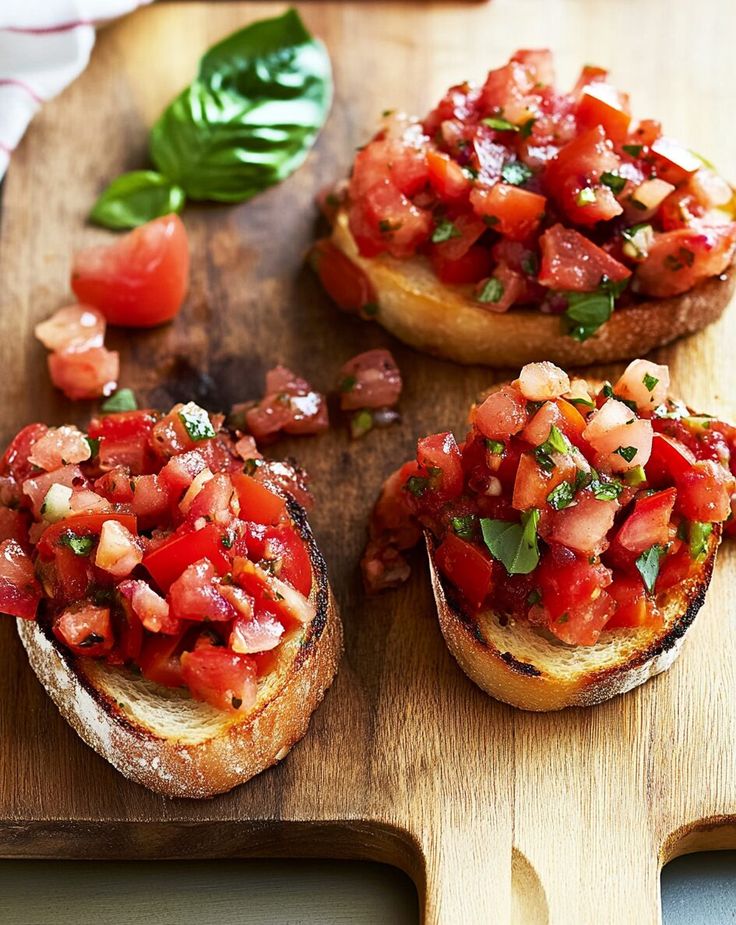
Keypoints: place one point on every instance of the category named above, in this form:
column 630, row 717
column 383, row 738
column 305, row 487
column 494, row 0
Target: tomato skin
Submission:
column 633, row 609
column 20, row 592
column 674, row 569
column 467, row 567
column 257, row 502
column 602, row 104
column 125, row 440
column 166, row 563
column 474, row 265
column 218, row 676
column 669, row 458
column 85, row 629
column 159, row 661
column 578, row 166
column 84, row 374
column 284, row 546
column 573, row 263
column 439, row 456
column 447, row 177
column 680, row 259
column 673, row 162
column 573, row 596
column 502, row 414
column 517, row 212
column 15, row 459
column 141, row 279
column 704, row 492
column 343, row 281
column 648, row 524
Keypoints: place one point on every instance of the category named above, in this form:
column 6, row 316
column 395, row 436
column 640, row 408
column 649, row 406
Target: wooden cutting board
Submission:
column 499, row 816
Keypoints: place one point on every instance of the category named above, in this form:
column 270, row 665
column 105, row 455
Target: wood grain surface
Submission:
column 499, row 816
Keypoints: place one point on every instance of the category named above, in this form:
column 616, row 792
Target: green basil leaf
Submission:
column 699, row 536
column 515, row 173
column 79, row 545
column 464, row 526
column 444, row 231
column 561, row 496
column 251, row 115
column 626, row 452
column 135, row 198
column 491, row 291
column 495, row 447
column 122, row 400
column 500, row 125
column 196, row 422
column 513, row 544
column 361, row 422
column 648, row 566
column 586, row 312
column 613, row 181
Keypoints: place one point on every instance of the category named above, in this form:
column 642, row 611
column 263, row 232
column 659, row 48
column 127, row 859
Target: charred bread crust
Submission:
column 517, row 681
column 233, row 749
column 436, row 319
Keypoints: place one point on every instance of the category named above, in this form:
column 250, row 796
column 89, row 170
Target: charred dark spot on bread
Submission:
column 522, row 667
column 319, row 574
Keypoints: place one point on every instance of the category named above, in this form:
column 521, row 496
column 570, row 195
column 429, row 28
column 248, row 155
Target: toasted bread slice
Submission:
column 419, row 310
column 517, row 663
column 162, row 738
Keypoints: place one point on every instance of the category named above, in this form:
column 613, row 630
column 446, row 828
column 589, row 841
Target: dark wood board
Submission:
column 498, row 815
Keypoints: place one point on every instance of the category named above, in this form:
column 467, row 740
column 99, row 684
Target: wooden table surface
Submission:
column 583, row 803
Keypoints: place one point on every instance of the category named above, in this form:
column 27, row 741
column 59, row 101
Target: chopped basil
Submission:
column 227, row 540
column 586, row 312
column 530, row 264
column 464, row 526
column 500, row 125
column 491, row 291
column 348, row 384
column 515, row 173
column 613, row 181
column 196, row 422
column 495, row 447
column 626, row 452
column 649, row 382
column 633, row 150
column 360, row 423
column 608, row 392
column 251, row 466
column 417, row 485
column 564, row 618
column 445, row 231
column 635, row 476
column 122, row 400
column 79, row 545
column 698, row 421
column 491, row 220
column 699, row 536
column 585, row 402
column 561, row 496
column 526, row 129
column 94, row 445
column 605, row 489
column 648, row 566
column 555, row 443
column 513, row 544
column 684, row 258
column 638, row 239
column 585, row 197
column 534, row 597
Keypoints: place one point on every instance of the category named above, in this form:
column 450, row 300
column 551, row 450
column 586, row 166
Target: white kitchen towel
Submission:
column 44, row 45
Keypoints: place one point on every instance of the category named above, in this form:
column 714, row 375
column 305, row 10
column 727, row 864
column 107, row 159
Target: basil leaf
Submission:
column 626, row 452
column 606, row 490
column 513, row 544
column 122, row 400
column 79, row 545
column 648, row 566
column 633, row 150
column 608, row 392
column 586, row 312
column 196, row 422
column 361, row 422
column 613, row 181
column 135, row 198
column 649, row 382
column 464, row 526
column 444, row 231
column 515, row 173
column 491, row 291
column 251, row 115
column 495, row 447
column 94, row 446
column 699, row 536
column 561, row 496
column 417, row 485
column 501, row 125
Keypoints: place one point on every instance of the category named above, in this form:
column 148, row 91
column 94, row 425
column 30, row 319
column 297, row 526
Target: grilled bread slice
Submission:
column 160, row 737
column 418, row 309
column 517, row 663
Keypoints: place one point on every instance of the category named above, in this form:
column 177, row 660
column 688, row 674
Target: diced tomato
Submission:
column 370, row 380
column 58, row 447
column 141, row 279
column 160, row 660
column 579, row 166
column 271, row 594
column 149, row 607
column 76, row 326
column 85, row 629
column 633, row 609
column 287, row 554
column 128, row 633
column 447, row 177
column 704, row 492
column 467, row 567
column 215, row 501
column 220, row 677
column 474, row 265
column 386, row 220
column 439, row 457
column 13, row 525
column 674, row 569
column 80, row 525
column 672, row 161
column 602, row 104
column 571, row 262
column 186, row 546
column 502, row 414
column 649, row 522
column 180, row 471
column 150, row 500
column 343, row 280
column 590, row 74
column 678, row 260
column 194, row 595
column 257, row 502
column 573, row 596
column 584, row 527
column 669, row 458
column 20, row 591
column 533, row 484
column 125, row 440
column 15, row 462
column 515, row 213
column 84, row 374
column 290, row 404
column 257, row 634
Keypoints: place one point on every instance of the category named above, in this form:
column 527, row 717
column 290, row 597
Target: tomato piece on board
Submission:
column 369, row 380
column 467, row 567
column 225, row 679
column 20, row 591
column 257, row 502
column 166, row 563
column 439, row 457
column 343, row 280
column 84, row 374
column 509, row 210
column 141, row 279
column 572, row 262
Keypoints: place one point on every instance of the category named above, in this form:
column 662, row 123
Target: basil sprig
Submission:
column 647, row 565
column 587, row 311
column 245, row 123
column 513, row 544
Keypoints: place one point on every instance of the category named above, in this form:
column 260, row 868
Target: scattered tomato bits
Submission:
column 572, row 509
column 527, row 195
column 155, row 541
column 290, row 406
column 369, row 387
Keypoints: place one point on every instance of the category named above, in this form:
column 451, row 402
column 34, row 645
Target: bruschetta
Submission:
column 169, row 594
column 571, row 536
column 518, row 222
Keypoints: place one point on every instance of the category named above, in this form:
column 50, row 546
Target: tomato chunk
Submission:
column 186, row 547
column 223, row 678
column 467, row 567
column 572, row 262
